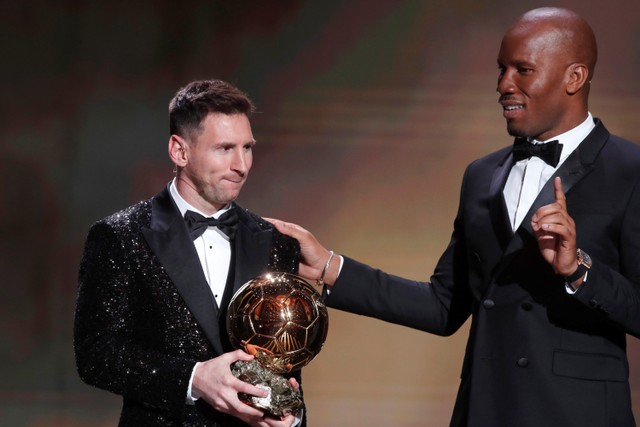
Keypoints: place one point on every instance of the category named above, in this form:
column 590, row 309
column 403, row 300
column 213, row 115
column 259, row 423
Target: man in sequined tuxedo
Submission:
column 153, row 292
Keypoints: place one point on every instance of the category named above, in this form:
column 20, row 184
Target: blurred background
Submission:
column 365, row 107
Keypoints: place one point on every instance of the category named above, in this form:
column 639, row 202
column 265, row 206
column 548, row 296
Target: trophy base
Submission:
column 282, row 400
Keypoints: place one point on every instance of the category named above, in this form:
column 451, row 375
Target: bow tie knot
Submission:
column 549, row 152
column 197, row 224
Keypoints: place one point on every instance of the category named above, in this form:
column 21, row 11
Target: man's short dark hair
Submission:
column 192, row 103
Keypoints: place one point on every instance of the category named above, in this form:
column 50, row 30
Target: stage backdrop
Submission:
column 366, row 107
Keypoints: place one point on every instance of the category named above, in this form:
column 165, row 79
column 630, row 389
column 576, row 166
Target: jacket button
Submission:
column 523, row 362
column 488, row 303
column 476, row 255
column 526, row 306
column 594, row 303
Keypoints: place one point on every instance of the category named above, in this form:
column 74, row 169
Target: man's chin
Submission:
column 515, row 132
column 220, row 201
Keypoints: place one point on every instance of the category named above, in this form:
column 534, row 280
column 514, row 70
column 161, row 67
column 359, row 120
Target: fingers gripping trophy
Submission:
column 282, row 320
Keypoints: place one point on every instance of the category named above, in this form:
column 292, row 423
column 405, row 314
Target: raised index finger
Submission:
column 559, row 192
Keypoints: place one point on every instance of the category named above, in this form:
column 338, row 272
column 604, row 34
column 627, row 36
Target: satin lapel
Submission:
column 170, row 242
column 574, row 168
column 497, row 207
column 252, row 249
column 577, row 165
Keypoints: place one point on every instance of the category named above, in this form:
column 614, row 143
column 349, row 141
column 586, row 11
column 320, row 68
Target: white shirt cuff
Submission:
column 192, row 396
column 570, row 290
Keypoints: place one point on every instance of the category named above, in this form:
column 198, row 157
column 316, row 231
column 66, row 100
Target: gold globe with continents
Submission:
column 282, row 320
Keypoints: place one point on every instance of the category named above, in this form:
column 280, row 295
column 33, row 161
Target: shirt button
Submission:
column 488, row 303
column 523, row 362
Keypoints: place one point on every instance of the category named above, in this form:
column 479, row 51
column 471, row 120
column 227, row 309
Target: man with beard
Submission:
column 156, row 278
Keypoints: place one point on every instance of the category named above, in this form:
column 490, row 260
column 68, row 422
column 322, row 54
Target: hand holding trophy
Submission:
column 282, row 320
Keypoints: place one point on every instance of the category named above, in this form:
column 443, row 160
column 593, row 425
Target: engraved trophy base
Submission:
column 282, row 400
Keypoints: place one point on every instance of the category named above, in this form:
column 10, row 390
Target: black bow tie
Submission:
column 197, row 224
column 549, row 151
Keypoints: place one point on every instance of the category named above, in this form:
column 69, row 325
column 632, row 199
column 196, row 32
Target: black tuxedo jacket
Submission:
column 536, row 355
column 145, row 313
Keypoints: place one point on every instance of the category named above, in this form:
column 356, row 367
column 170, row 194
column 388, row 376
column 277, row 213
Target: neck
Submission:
column 188, row 191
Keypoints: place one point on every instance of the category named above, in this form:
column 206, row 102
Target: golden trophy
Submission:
column 282, row 320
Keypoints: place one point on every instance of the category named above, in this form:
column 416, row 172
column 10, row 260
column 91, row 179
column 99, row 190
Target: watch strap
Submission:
column 580, row 271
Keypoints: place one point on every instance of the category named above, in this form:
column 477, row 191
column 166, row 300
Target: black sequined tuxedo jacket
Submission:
column 145, row 313
column 536, row 356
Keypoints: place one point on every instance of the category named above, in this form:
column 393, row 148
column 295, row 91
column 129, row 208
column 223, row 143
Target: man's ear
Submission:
column 177, row 150
column 577, row 77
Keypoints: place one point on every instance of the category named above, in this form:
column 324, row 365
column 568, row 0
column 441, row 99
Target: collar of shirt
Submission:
column 213, row 248
column 534, row 172
column 185, row 206
column 571, row 138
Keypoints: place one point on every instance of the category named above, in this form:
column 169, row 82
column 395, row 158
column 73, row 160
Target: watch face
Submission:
column 584, row 258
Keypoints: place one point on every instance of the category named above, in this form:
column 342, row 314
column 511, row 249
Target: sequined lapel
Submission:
column 170, row 242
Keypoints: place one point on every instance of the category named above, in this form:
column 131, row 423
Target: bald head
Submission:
column 565, row 31
column 546, row 60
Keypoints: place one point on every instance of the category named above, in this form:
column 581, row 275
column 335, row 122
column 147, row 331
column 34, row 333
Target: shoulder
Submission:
column 130, row 219
column 494, row 158
column 253, row 221
column 487, row 164
column 620, row 159
column 111, row 240
column 614, row 146
column 285, row 251
column 257, row 224
column 630, row 150
column 618, row 151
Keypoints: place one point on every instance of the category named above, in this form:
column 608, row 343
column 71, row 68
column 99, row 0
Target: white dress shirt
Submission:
column 528, row 176
column 214, row 251
column 213, row 247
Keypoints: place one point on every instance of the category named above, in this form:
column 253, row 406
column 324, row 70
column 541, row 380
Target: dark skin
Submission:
column 546, row 63
column 546, row 60
column 544, row 73
column 556, row 233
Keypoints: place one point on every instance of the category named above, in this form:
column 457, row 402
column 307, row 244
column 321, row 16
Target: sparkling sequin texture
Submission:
column 135, row 334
